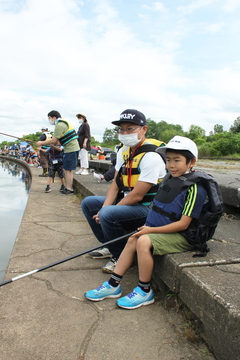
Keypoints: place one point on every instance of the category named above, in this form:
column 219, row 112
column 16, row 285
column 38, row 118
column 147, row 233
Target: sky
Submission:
column 174, row 60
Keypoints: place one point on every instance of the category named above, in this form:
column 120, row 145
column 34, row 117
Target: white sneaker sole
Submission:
column 137, row 306
column 105, row 297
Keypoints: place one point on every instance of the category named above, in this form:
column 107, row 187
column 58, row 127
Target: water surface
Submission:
column 14, row 189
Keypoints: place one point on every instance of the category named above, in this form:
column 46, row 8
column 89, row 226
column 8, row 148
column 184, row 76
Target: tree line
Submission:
column 218, row 143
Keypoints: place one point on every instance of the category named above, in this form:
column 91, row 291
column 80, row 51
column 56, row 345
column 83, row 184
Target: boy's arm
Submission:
column 174, row 227
column 58, row 147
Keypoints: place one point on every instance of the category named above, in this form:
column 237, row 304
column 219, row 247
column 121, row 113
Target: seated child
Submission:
column 161, row 233
column 56, row 153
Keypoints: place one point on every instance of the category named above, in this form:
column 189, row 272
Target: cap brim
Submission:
column 162, row 150
column 116, row 122
column 119, row 122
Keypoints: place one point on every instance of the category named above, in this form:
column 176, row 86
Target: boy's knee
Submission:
column 144, row 243
column 132, row 240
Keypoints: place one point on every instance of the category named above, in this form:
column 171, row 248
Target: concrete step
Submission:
column 209, row 286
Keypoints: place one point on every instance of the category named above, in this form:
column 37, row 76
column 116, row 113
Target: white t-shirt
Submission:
column 152, row 167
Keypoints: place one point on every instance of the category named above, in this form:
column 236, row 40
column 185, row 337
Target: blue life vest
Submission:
column 166, row 203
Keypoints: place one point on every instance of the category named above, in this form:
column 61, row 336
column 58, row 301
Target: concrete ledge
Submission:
column 209, row 286
column 229, row 182
column 100, row 165
column 213, row 295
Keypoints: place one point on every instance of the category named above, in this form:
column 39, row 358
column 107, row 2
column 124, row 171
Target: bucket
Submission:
column 101, row 157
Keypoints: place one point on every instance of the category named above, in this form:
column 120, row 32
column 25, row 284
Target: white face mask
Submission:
column 130, row 140
column 80, row 121
column 51, row 122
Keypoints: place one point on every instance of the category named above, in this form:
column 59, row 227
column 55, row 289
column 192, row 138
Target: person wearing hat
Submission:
column 173, row 209
column 44, row 156
column 65, row 133
column 84, row 140
column 126, row 205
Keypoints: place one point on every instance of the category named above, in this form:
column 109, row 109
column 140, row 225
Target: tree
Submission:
column 162, row 130
column 218, row 129
column 235, row 128
column 153, row 130
column 196, row 132
column 110, row 136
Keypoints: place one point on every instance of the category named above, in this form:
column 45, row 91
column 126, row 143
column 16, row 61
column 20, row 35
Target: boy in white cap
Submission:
column 172, row 211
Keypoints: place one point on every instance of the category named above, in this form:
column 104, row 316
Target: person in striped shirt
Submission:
column 172, row 211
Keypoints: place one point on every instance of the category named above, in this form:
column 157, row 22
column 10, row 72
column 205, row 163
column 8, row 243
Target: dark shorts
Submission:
column 56, row 167
column 33, row 156
column 70, row 161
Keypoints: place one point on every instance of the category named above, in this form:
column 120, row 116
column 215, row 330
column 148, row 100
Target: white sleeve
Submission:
column 119, row 160
column 152, row 168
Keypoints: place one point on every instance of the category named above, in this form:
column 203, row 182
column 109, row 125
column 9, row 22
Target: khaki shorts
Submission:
column 169, row 243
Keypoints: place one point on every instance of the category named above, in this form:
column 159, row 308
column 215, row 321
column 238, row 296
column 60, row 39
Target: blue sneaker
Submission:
column 136, row 299
column 104, row 291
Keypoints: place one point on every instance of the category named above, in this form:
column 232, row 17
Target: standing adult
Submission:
column 84, row 140
column 44, row 156
column 65, row 133
column 139, row 170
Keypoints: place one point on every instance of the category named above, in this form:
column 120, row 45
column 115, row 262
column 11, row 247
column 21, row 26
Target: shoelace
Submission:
column 132, row 294
column 100, row 287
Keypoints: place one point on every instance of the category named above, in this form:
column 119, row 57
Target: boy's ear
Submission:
column 193, row 162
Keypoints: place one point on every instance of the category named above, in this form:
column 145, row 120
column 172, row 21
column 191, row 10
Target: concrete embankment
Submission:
column 46, row 317
column 209, row 286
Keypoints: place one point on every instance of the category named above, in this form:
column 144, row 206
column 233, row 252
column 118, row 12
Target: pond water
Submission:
column 15, row 184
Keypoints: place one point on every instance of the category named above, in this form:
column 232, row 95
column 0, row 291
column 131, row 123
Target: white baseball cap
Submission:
column 83, row 115
column 180, row 143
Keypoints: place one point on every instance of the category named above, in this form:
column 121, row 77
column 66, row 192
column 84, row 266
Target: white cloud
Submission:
column 194, row 5
column 157, row 6
column 214, row 28
column 74, row 56
column 231, row 5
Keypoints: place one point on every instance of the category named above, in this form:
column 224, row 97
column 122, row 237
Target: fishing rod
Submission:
column 18, row 138
column 67, row 259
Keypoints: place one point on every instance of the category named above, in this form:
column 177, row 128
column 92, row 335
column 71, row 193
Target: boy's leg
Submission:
column 142, row 294
column 145, row 259
column 49, row 180
column 60, row 173
column 112, row 288
column 127, row 256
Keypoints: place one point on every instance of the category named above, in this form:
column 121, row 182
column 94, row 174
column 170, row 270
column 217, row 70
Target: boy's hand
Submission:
column 143, row 230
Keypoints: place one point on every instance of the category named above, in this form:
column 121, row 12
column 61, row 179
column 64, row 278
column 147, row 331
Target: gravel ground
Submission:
column 219, row 164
